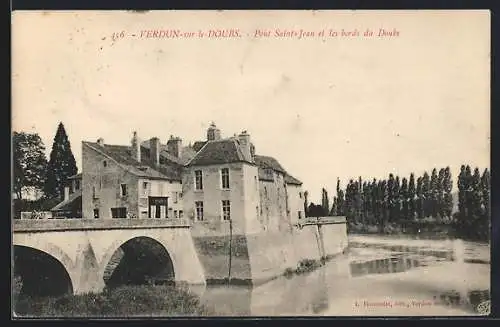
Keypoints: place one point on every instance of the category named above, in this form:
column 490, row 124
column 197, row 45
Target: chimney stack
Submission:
column 136, row 147
column 174, row 146
column 245, row 145
column 213, row 133
column 100, row 141
column 154, row 148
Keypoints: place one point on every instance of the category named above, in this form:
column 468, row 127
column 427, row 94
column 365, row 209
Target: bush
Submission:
column 125, row 301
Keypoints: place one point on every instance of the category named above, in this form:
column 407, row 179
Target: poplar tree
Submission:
column 485, row 187
column 390, row 199
column 325, row 202
column 447, row 196
column 411, row 197
column 420, row 199
column 426, row 195
column 405, row 199
column 433, row 195
column 340, row 200
column 61, row 165
column 462, row 201
column 440, row 211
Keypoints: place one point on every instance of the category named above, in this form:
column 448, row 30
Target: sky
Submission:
column 326, row 107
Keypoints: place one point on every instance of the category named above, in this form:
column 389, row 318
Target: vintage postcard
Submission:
column 250, row 163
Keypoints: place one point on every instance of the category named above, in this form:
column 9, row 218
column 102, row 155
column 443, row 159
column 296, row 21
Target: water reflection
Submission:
column 359, row 275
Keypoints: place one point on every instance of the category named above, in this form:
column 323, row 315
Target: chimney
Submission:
column 154, row 148
column 245, row 145
column 66, row 193
column 174, row 146
column 100, row 141
column 136, row 147
column 213, row 133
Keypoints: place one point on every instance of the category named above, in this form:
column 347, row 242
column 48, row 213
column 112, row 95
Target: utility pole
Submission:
column 230, row 250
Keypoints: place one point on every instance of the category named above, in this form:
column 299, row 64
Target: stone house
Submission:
column 213, row 182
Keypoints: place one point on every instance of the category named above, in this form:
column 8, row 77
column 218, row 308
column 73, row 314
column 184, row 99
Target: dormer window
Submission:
column 104, row 163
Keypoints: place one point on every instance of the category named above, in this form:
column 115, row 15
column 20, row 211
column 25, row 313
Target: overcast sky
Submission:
column 324, row 107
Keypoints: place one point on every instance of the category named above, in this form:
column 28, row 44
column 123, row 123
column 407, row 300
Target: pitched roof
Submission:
column 289, row 179
column 66, row 205
column 218, row 152
column 198, row 145
column 268, row 164
column 123, row 156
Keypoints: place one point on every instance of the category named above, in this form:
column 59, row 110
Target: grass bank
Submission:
column 126, row 301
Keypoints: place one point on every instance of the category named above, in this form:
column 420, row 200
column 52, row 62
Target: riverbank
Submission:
column 424, row 229
column 126, row 301
column 473, row 252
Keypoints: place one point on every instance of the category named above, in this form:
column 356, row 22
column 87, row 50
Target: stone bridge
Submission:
column 79, row 251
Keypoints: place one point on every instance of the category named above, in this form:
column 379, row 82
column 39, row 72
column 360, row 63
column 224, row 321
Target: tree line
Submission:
column 38, row 182
column 398, row 200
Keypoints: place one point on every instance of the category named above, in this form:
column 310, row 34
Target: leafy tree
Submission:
column 61, row 165
column 30, row 163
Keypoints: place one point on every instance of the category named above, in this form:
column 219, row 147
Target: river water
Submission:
column 378, row 276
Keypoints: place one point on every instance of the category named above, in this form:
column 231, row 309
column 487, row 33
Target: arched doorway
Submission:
column 39, row 273
column 139, row 261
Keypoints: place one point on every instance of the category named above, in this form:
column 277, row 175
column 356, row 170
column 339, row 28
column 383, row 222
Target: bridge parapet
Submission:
column 96, row 224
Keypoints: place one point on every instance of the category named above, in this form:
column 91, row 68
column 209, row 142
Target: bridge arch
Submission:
column 44, row 270
column 137, row 259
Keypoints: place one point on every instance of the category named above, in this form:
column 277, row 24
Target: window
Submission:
column 300, row 214
column 176, row 215
column 198, row 180
column 120, row 212
column 104, row 163
column 300, row 195
column 123, row 189
column 181, row 214
column 225, row 178
column 175, row 195
column 257, row 208
column 96, row 213
column 226, row 210
column 145, row 187
column 77, row 185
column 199, row 210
